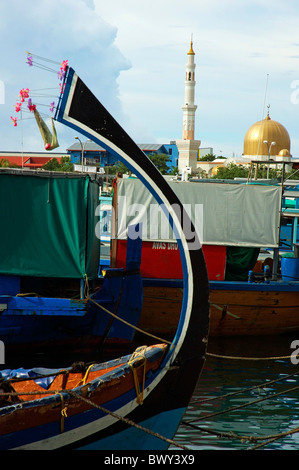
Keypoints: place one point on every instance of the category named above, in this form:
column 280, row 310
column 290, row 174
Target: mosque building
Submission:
column 267, row 139
column 264, row 140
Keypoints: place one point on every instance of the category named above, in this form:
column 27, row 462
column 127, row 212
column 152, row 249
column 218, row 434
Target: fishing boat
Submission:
column 254, row 288
column 110, row 406
column 49, row 294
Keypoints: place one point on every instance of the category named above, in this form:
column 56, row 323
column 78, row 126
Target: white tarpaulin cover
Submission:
column 223, row 214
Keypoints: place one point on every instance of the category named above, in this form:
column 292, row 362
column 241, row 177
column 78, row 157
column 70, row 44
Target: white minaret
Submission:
column 188, row 147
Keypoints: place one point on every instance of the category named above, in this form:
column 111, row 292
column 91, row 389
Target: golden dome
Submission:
column 268, row 131
column 284, row 153
column 215, row 169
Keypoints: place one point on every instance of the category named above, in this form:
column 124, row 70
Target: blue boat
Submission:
column 135, row 402
column 51, row 297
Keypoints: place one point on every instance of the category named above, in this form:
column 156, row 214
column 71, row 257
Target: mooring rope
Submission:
column 274, row 438
column 231, row 435
column 101, row 408
column 129, row 421
column 253, row 439
column 245, row 390
column 220, row 356
column 127, row 323
column 246, row 358
column 269, row 439
column 244, row 405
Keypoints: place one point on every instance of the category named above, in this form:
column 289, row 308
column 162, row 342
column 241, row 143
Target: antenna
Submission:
column 265, row 96
column 258, row 146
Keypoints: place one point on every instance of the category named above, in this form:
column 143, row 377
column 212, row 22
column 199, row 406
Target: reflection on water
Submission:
column 228, row 385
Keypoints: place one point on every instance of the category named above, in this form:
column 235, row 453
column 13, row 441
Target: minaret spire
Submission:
column 188, row 147
column 191, row 46
column 189, row 107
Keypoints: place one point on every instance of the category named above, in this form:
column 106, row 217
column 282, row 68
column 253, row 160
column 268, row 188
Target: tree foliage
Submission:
column 160, row 161
column 209, row 157
column 4, row 163
column 232, row 171
column 54, row 165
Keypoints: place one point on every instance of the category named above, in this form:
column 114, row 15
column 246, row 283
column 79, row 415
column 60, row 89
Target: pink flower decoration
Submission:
column 31, row 106
column 24, row 93
column 61, row 74
column 14, row 121
column 64, row 65
column 52, row 106
column 30, row 60
column 61, row 87
column 18, row 107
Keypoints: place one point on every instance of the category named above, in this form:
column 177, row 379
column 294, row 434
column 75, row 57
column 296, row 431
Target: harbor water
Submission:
column 247, row 397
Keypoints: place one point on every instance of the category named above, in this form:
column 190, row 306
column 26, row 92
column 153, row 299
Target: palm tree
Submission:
column 4, row 163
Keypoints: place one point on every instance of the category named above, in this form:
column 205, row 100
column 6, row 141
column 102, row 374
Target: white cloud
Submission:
column 56, row 30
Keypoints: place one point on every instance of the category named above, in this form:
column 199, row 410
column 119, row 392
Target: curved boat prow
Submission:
column 167, row 381
column 81, row 110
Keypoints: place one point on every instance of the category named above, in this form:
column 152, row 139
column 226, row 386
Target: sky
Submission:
column 133, row 54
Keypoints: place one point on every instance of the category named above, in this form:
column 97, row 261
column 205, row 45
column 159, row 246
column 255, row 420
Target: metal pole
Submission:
column 82, row 153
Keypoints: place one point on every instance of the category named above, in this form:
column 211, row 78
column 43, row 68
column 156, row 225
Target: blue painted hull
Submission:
column 41, row 324
column 159, row 431
column 271, row 286
column 132, row 438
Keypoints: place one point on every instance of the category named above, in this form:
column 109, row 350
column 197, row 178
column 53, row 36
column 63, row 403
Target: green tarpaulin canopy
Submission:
column 48, row 225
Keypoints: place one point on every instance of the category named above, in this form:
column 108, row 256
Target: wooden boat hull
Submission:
column 85, row 423
column 42, row 426
column 236, row 308
column 266, row 309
